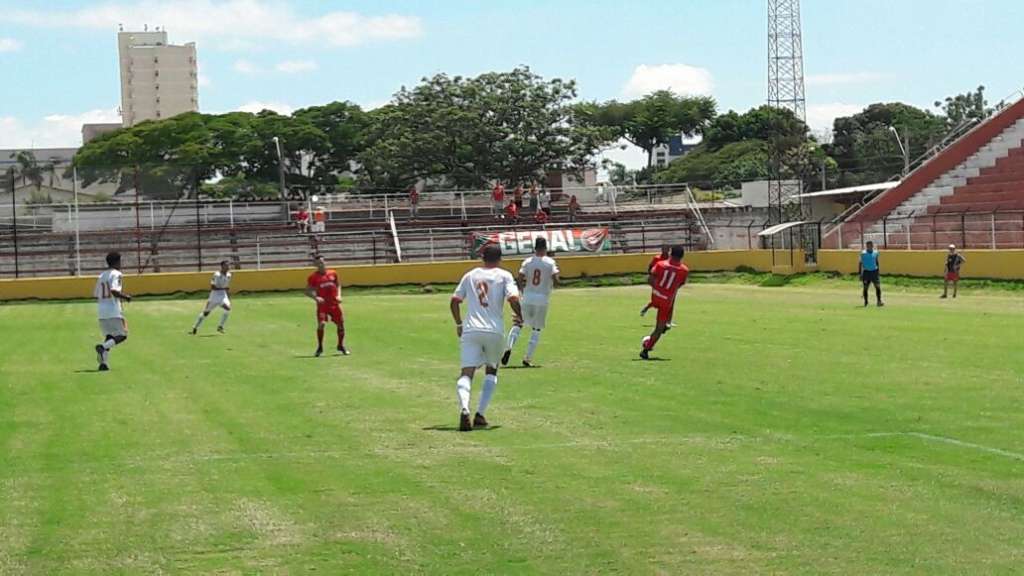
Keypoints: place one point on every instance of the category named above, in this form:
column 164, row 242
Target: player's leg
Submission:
column 207, row 308
column 664, row 314
column 321, row 321
column 115, row 332
column 945, row 287
column 492, row 344
column 338, row 317
column 643, row 311
column 877, row 281
column 538, row 319
column 226, row 305
column 956, row 284
column 471, row 355
column 513, row 334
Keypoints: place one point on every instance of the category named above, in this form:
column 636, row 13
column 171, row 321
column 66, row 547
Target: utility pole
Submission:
column 280, row 176
column 904, row 143
column 8, row 182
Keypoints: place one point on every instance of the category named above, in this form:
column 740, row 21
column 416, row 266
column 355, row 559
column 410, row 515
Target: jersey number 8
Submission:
column 536, row 277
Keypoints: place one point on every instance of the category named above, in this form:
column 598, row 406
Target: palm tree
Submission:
column 28, row 168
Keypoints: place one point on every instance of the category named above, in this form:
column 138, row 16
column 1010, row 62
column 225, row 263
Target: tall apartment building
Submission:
column 158, row 80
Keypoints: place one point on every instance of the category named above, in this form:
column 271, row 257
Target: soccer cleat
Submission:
column 479, row 421
column 343, row 351
column 99, row 354
column 319, row 352
column 465, row 425
column 645, row 354
column 220, row 329
column 103, row 368
column 643, row 312
column 880, row 304
column 943, row 296
column 193, row 332
column 526, row 364
column 505, row 357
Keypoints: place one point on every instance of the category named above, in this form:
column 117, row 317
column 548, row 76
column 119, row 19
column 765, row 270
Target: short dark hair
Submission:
column 678, row 251
column 113, row 259
column 223, row 262
column 492, row 253
column 540, row 243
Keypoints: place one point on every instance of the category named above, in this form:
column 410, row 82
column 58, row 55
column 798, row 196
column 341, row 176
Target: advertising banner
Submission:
column 520, row 242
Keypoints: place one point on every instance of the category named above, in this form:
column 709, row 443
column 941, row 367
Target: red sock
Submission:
column 341, row 336
column 320, row 337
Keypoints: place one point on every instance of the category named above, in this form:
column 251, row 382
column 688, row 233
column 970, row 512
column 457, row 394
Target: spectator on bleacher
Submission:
column 574, row 207
column 302, row 220
column 512, row 212
column 533, row 197
column 414, row 202
column 517, row 197
column 545, row 201
column 498, row 200
column 541, row 217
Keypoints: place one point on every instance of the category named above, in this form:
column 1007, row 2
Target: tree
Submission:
column 865, row 145
column 966, row 106
column 765, row 123
column 510, row 126
column 652, row 120
column 726, row 167
column 28, row 168
column 344, row 126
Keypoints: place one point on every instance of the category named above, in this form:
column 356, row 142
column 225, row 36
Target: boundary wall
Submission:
column 1002, row 264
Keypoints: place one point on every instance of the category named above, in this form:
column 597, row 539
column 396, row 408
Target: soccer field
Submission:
column 784, row 430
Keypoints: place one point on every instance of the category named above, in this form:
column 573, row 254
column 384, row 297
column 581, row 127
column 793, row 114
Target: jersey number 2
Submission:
column 481, row 293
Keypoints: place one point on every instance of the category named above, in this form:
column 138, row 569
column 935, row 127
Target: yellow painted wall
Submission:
column 1007, row 264
column 1002, row 264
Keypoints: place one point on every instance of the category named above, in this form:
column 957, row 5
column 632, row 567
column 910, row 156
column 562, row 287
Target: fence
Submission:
column 934, row 231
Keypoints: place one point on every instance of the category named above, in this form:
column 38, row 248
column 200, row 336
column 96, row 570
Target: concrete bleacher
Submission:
column 970, row 194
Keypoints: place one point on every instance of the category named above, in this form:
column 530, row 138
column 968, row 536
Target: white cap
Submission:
column 952, row 246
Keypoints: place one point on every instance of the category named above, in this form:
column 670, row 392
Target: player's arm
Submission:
column 117, row 290
column 651, row 280
column 456, row 309
column 517, row 310
column 556, row 276
column 311, row 292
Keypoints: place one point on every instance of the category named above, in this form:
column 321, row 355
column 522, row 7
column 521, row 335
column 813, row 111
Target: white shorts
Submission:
column 218, row 298
column 481, row 348
column 113, row 327
column 535, row 315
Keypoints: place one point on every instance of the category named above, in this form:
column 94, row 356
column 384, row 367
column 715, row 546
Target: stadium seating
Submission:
column 970, row 194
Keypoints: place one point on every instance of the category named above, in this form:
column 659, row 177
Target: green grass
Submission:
column 786, row 431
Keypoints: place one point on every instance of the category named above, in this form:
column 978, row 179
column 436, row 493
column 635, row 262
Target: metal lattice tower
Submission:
column 786, row 57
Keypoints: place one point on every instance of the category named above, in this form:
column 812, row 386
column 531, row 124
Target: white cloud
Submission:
column 204, row 80
column 256, row 106
column 820, row 116
column 9, row 45
column 230, row 24
column 245, row 67
column 296, row 66
column 682, row 79
column 845, row 78
column 53, row 131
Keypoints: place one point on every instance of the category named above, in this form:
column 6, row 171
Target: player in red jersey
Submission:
column 665, row 278
column 323, row 286
column 655, row 260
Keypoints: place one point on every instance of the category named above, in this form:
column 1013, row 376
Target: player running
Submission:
column 537, row 277
column 323, row 286
column 219, row 288
column 109, row 293
column 481, row 339
column 665, row 278
column 650, row 266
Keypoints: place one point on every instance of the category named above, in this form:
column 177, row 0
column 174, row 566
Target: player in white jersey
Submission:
column 483, row 289
column 109, row 293
column 537, row 277
column 220, row 285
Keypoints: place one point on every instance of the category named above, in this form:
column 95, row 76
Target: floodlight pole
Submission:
column 14, row 221
column 280, row 176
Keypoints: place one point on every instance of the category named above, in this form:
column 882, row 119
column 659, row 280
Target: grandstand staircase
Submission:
column 970, row 194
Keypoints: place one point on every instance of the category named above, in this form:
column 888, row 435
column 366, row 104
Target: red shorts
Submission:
column 952, row 276
column 328, row 311
column 664, row 308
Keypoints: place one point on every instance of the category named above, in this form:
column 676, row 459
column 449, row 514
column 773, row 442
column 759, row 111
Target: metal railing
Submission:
column 934, row 231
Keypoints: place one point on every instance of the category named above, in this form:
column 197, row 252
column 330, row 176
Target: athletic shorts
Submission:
column 869, row 276
column 218, row 298
column 953, row 276
column 332, row 312
column 535, row 315
column 113, row 327
column 481, row 348
column 665, row 309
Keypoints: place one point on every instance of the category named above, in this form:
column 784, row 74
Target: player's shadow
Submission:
column 520, row 367
column 91, row 371
column 652, row 359
column 450, row 428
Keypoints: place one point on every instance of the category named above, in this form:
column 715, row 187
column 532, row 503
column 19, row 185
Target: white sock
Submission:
column 490, row 383
column 224, row 319
column 199, row 321
column 513, row 335
column 462, row 387
column 109, row 343
column 532, row 346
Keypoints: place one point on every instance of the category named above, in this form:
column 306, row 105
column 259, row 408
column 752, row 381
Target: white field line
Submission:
column 721, row 441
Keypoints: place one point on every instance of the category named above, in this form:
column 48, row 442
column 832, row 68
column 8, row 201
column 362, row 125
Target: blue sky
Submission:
column 61, row 54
